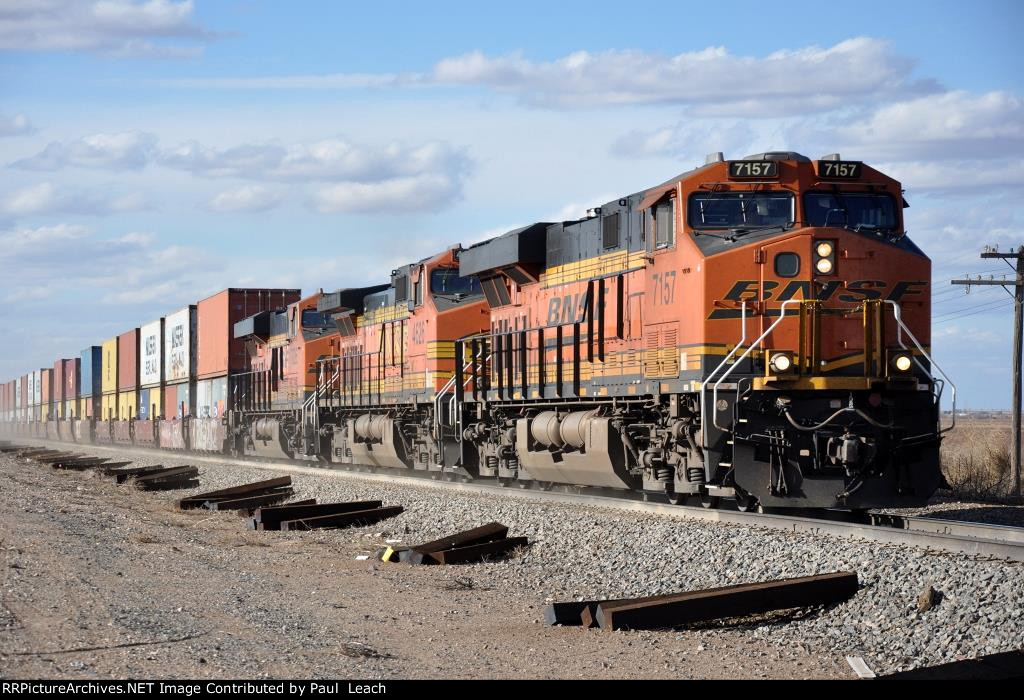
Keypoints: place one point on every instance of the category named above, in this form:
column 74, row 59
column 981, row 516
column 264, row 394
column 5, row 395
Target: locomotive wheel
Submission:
column 676, row 498
column 709, row 501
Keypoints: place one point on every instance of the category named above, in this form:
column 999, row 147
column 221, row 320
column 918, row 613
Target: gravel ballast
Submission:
column 583, row 552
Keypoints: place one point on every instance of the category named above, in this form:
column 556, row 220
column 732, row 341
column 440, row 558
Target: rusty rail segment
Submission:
column 355, row 518
column 270, row 518
column 677, row 609
column 419, row 554
column 479, row 552
column 249, row 503
column 234, row 492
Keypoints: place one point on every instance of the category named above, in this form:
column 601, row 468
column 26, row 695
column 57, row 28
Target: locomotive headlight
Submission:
column 781, row 362
column 825, row 257
column 900, row 362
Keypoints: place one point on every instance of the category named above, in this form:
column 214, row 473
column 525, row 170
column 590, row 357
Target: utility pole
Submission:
column 1018, row 340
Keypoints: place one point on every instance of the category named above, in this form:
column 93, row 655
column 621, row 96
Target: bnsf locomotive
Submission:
column 753, row 329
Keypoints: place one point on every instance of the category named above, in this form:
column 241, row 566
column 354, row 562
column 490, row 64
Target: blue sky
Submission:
column 152, row 152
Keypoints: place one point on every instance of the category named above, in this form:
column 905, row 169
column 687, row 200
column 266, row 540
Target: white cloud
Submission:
column 326, row 160
column 955, row 124
column 420, row 193
column 131, row 150
column 47, row 199
column 18, row 125
column 247, row 198
column 690, row 141
column 113, row 27
column 712, row 81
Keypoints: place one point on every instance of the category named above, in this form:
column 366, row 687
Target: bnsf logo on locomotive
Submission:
column 852, row 292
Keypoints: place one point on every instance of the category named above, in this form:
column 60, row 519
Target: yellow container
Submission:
column 128, row 404
column 108, row 407
column 154, row 401
column 108, row 380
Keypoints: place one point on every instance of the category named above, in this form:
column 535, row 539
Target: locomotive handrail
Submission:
column 750, row 348
column 703, row 385
column 898, row 315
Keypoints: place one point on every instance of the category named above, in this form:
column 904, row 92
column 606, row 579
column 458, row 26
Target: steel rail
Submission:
column 935, row 534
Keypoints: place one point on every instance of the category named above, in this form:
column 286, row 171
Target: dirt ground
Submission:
column 103, row 581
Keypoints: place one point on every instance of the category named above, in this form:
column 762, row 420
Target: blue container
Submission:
column 92, row 371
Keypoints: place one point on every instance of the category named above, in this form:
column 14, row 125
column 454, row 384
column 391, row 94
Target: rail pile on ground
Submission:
column 679, row 609
column 478, row 544
column 244, row 497
column 308, row 515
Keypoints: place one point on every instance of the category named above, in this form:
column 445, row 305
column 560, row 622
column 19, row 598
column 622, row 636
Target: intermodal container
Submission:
column 58, row 387
column 19, row 396
column 151, row 370
column 128, row 375
column 219, row 352
column 211, row 397
column 108, row 383
column 180, row 339
column 45, row 392
column 71, row 391
column 90, row 382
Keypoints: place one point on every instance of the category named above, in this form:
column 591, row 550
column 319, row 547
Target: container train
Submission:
column 754, row 329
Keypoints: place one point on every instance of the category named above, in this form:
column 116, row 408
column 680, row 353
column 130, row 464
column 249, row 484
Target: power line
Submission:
column 1018, row 340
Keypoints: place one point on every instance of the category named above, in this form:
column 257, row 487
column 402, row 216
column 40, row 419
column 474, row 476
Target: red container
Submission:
column 171, row 408
column 71, row 375
column 219, row 353
column 46, row 377
column 128, row 360
column 58, row 381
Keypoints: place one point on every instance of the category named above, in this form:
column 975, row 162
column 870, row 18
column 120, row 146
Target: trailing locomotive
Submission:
column 754, row 329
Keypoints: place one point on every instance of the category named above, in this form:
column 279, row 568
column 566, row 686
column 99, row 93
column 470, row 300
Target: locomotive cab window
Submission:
column 787, row 264
column 721, row 210
column 446, row 281
column 857, row 210
column 665, row 224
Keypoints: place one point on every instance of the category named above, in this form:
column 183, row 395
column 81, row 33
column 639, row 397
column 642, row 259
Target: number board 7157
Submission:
column 743, row 169
column 839, row 169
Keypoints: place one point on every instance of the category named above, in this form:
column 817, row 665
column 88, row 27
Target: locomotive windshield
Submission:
column 446, row 280
column 316, row 319
column 713, row 210
column 852, row 210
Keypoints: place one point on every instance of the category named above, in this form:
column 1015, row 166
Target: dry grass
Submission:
column 976, row 460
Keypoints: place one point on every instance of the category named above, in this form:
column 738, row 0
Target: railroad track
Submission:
column 978, row 539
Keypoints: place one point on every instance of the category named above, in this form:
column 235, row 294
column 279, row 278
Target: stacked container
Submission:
column 127, row 385
column 90, row 392
column 151, row 370
column 57, row 407
column 45, row 393
column 90, row 383
column 71, row 390
column 179, row 357
column 108, row 381
column 220, row 354
column 20, row 399
column 108, row 392
column 151, row 375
